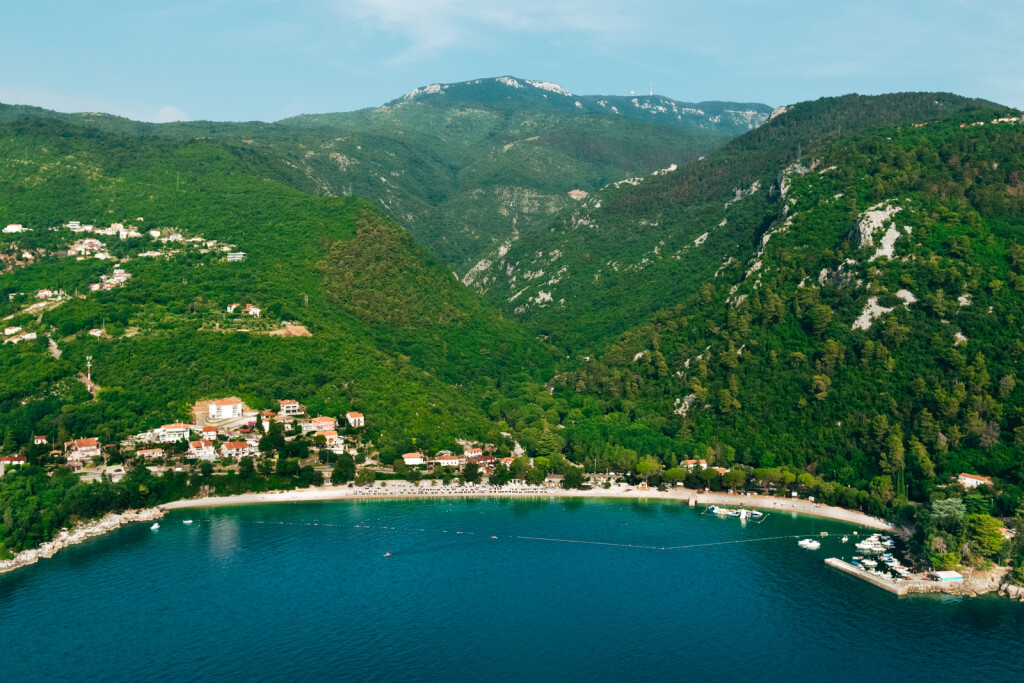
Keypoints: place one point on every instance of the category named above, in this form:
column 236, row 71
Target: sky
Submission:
column 268, row 59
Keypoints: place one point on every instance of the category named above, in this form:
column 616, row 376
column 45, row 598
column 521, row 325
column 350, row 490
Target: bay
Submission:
column 568, row 590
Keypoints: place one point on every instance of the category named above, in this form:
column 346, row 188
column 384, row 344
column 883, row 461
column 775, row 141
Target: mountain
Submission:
column 468, row 170
column 377, row 323
column 643, row 243
column 858, row 321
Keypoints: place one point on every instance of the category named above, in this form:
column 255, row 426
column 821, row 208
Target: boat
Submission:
column 387, row 554
column 857, row 564
column 869, row 563
column 493, row 536
column 156, row 525
column 845, row 539
column 809, row 543
column 186, row 521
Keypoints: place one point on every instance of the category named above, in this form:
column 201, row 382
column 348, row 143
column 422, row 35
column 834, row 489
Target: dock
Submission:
column 893, row 586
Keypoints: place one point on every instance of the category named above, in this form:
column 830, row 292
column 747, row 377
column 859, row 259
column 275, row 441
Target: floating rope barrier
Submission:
column 656, row 547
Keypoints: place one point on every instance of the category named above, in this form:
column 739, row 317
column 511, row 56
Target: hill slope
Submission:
column 405, row 343
column 641, row 244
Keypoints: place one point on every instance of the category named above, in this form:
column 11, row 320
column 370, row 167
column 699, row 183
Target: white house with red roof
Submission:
column 249, row 309
column 355, row 420
column 330, row 436
column 209, row 432
column 233, row 307
column 170, row 433
column 39, row 440
column 225, row 409
column 82, row 449
column 971, row 481
column 290, row 407
column 201, row 449
column 237, row 449
column 700, row 464
column 151, row 453
column 414, row 459
column 473, row 451
column 446, row 460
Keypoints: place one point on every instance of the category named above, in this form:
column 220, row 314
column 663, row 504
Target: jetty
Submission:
column 973, row 583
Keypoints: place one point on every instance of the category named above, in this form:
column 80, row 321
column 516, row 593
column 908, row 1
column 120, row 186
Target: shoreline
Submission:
column 404, row 490
column 396, row 489
column 80, row 533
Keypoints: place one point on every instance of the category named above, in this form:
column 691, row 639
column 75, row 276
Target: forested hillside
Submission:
column 469, row 170
column 391, row 331
column 868, row 331
column 628, row 251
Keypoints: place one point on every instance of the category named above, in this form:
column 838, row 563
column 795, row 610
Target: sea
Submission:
column 484, row 590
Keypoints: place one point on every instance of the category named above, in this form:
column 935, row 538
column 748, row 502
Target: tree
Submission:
column 471, row 473
column 206, row 469
column 365, row 476
column 948, row 513
column 648, row 466
column 675, row 475
column 10, row 445
column 734, row 479
column 983, row 536
column 573, row 478
column 344, row 470
column 246, row 467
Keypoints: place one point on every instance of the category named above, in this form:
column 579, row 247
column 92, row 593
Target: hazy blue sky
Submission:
column 267, row 59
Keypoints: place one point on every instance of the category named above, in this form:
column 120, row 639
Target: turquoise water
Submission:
column 303, row 591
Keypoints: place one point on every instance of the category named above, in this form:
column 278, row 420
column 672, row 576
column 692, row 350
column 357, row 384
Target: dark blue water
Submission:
column 303, row 591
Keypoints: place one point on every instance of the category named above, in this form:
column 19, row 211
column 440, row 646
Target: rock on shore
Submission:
column 81, row 532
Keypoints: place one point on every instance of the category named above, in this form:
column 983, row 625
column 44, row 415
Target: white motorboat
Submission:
column 809, row 544
column 186, row 521
column 869, row 563
column 845, row 539
column 156, row 525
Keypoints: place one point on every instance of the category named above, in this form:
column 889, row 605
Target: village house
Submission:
column 330, row 436
column 690, row 464
column 209, row 433
column 413, row 459
column 290, row 407
column 13, row 460
column 201, row 449
column 12, row 330
column 236, row 256
column 176, row 431
column 446, row 460
column 149, row 254
column 82, row 449
column 45, row 294
column 473, row 452
column 507, row 462
column 151, row 453
column 39, row 440
column 237, row 449
column 322, row 423
column 233, row 307
column 970, row 481
column 355, row 420
column 484, row 461
column 249, row 309
column 225, row 409
column 96, row 332
column 14, row 227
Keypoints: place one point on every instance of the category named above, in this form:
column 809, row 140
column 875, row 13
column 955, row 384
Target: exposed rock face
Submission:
column 1012, row 592
column 84, row 531
column 870, row 222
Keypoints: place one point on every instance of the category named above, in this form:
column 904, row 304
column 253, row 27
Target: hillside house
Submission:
column 447, row 460
column 290, row 407
column 412, row 459
column 322, row 423
column 225, row 409
column 235, row 256
column 45, row 294
column 82, row 449
column 11, row 330
column 209, row 433
column 330, row 436
column 971, row 481
column 699, row 464
column 96, row 332
column 237, row 449
column 38, row 440
column 151, row 453
column 473, row 452
column 170, row 433
column 355, row 420
column 14, row 227
column 249, row 309
column 13, row 460
column 201, row 449
column 233, row 307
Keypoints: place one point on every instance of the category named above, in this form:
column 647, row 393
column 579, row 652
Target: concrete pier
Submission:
column 891, row 585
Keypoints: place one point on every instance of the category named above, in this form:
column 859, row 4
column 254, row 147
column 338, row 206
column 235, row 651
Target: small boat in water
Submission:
column 809, row 543
column 845, row 539
column 186, row 521
column 387, row 554
column 156, row 525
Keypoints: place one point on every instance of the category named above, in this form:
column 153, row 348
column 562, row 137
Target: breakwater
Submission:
column 974, row 582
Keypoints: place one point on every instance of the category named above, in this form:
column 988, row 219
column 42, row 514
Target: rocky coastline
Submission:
column 81, row 532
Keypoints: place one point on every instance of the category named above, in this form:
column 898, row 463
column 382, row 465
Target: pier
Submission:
column 892, row 585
